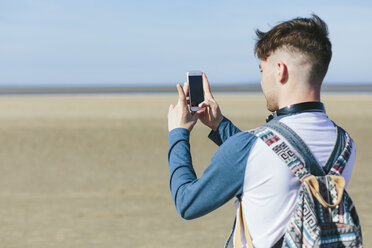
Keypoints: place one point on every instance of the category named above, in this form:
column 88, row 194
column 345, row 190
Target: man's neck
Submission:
column 299, row 97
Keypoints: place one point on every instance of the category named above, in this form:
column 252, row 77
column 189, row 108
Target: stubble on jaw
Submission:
column 271, row 101
column 271, row 107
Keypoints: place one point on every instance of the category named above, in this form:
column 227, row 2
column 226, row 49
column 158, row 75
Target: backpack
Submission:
column 324, row 214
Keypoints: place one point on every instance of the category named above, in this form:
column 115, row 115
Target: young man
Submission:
column 294, row 60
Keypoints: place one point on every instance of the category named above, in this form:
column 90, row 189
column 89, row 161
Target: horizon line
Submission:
column 153, row 89
column 155, row 85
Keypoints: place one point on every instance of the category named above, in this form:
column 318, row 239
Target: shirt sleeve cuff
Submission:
column 215, row 135
column 178, row 134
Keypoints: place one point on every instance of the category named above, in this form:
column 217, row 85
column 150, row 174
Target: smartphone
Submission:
column 196, row 93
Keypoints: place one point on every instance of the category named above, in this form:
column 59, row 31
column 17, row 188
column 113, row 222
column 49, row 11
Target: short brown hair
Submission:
column 306, row 35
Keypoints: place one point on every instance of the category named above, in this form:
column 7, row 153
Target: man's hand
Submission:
column 179, row 115
column 211, row 116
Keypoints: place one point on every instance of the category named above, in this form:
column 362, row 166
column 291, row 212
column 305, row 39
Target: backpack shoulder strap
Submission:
column 339, row 146
column 281, row 148
column 299, row 145
column 344, row 147
column 336, row 161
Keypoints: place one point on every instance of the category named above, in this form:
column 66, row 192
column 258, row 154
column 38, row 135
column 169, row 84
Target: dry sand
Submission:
column 91, row 170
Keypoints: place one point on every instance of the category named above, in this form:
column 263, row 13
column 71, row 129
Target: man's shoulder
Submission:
column 241, row 138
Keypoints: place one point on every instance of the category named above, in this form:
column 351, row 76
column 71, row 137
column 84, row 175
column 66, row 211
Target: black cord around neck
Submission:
column 297, row 108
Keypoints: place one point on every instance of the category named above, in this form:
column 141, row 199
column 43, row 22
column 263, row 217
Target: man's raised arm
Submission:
column 211, row 116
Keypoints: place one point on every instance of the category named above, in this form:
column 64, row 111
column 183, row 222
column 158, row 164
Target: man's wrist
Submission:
column 179, row 129
column 188, row 128
column 217, row 124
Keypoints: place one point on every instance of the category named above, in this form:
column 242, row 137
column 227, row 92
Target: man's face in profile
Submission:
column 268, row 84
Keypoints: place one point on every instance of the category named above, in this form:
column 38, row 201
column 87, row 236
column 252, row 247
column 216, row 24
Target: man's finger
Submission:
column 194, row 116
column 206, row 87
column 200, row 111
column 186, row 88
column 181, row 95
column 205, row 103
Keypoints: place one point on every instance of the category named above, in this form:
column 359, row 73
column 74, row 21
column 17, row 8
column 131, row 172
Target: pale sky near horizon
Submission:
column 81, row 42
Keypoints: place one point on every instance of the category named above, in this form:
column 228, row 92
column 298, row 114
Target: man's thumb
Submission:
column 181, row 95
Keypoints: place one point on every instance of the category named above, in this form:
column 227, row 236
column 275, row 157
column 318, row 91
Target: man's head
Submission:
column 294, row 58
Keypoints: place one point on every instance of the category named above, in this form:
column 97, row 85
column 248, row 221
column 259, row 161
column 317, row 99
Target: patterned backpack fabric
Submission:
column 324, row 215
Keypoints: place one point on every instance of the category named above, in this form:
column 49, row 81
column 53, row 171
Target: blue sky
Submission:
column 83, row 42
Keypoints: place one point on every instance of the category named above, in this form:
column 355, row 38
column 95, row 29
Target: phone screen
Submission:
column 196, row 90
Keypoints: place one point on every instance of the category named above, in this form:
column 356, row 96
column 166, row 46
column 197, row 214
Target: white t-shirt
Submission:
column 270, row 189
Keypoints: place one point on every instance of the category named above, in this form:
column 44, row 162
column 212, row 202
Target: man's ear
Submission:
column 282, row 72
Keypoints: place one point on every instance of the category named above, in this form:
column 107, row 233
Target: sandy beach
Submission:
column 91, row 170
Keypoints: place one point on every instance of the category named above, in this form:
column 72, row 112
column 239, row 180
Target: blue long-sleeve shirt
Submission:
column 221, row 181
